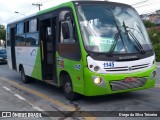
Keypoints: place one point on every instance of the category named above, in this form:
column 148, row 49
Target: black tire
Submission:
column 24, row 78
column 68, row 89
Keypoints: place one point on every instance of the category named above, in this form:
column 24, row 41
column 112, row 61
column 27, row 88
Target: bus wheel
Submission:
column 68, row 89
column 24, row 78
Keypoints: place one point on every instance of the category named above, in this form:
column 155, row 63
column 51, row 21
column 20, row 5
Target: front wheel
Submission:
column 68, row 89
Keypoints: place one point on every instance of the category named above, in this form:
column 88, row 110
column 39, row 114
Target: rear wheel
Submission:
column 24, row 78
column 68, row 89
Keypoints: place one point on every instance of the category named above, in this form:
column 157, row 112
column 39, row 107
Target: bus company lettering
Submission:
column 60, row 62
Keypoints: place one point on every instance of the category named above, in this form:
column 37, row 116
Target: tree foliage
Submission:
column 157, row 52
column 154, row 35
column 149, row 24
column 2, row 32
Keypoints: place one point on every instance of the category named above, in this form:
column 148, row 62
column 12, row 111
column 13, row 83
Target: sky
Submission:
column 25, row 7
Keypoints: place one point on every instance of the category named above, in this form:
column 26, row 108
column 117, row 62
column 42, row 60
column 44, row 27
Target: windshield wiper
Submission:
column 134, row 38
column 114, row 44
column 116, row 38
column 137, row 30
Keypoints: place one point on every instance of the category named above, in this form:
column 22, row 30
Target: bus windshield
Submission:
column 112, row 29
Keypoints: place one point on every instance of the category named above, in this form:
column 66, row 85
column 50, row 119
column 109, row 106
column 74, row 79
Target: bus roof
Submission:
column 68, row 4
column 77, row 2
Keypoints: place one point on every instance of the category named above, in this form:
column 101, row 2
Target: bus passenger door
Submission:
column 47, row 38
column 13, row 56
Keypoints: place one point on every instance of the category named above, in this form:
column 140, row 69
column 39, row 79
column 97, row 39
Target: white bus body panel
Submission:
column 9, row 57
column 121, row 67
column 26, row 56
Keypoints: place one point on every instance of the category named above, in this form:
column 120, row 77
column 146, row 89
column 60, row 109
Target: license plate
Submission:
column 130, row 79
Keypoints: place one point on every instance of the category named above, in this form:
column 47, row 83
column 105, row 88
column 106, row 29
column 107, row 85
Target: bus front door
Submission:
column 48, row 38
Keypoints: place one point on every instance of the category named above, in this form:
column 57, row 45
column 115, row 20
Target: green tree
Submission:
column 2, row 32
column 154, row 35
column 149, row 24
column 157, row 51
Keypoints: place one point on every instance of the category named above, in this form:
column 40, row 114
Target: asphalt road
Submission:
column 39, row 96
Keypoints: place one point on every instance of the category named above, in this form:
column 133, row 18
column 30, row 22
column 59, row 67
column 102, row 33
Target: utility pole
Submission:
column 37, row 4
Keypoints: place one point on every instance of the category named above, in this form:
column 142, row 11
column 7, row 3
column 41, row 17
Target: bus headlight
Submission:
column 99, row 81
column 153, row 75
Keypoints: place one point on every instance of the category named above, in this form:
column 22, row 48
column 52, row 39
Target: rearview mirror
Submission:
column 65, row 30
column 68, row 16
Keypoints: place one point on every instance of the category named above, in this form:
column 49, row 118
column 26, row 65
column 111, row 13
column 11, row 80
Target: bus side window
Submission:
column 8, row 36
column 20, row 41
column 68, row 46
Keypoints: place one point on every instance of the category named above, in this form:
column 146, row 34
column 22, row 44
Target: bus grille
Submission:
column 127, row 68
column 123, row 85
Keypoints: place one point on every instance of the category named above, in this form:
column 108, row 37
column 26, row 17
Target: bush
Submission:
column 157, row 51
column 154, row 35
column 149, row 24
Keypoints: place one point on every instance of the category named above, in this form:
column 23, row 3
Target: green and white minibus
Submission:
column 88, row 47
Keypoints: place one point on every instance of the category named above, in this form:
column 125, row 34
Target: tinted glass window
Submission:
column 69, row 46
column 33, row 25
column 112, row 29
column 8, row 35
column 20, row 40
column 20, row 28
column 32, row 39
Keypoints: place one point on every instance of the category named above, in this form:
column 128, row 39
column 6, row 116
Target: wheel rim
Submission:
column 68, row 87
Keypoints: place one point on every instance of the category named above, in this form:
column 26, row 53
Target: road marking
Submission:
column 20, row 97
column 41, row 110
column 6, row 88
column 60, row 104
column 54, row 101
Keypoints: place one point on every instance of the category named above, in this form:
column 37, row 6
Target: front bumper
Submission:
column 92, row 89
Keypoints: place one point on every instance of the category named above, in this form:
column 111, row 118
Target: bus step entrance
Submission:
column 50, row 82
column 49, row 75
